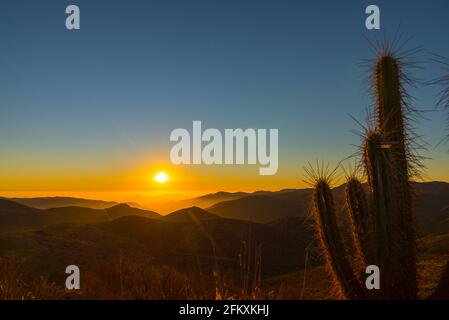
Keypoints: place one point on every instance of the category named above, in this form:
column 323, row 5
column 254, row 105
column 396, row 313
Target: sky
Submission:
column 91, row 110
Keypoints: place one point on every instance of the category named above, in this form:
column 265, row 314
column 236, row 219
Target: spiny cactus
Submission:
column 361, row 226
column 381, row 223
column 331, row 242
column 390, row 95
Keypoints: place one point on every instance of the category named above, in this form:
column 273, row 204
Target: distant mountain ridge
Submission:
column 194, row 214
column 265, row 206
column 56, row 202
column 431, row 207
column 202, row 202
column 194, row 240
column 16, row 217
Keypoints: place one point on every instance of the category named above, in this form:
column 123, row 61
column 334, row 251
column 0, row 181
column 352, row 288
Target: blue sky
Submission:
column 105, row 98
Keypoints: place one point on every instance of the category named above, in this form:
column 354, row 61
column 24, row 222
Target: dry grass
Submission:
column 139, row 282
column 123, row 280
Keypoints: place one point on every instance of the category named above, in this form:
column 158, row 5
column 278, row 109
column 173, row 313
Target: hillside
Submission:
column 189, row 215
column 202, row 202
column 431, row 206
column 193, row 245
column 188, row 246
column 56, row 202
column 264, row 207
column 15, row 217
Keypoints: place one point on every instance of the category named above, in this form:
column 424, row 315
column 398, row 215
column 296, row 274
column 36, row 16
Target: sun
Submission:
column 161, row 177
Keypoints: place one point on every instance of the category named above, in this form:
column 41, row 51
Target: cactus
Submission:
column 390, row 111
column 381, row 223
column 384, row 207
column 332, row 244
column 357, row 206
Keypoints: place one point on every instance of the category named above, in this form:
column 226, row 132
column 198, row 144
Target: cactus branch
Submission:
column 324, row 215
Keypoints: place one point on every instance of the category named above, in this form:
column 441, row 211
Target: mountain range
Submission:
column 194, row 240
column 431, row 204
column 56, row 202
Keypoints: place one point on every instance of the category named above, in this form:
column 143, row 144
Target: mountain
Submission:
column 431, row 205
column 56, row 202
column 150, row 251
column 88, row 215
column 15, row 217
column 189, row 214
column 73, row 215
column 123, row 209
column 213, row 198
column 265, row 206
column 203, row 201
column 292, row 225
column 189, row 246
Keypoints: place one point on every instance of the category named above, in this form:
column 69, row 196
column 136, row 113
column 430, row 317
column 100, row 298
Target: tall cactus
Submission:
column 390, row 122
column 381, row 224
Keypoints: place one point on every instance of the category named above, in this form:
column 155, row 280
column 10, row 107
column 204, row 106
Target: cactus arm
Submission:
column 325, row 219
column 357, row 206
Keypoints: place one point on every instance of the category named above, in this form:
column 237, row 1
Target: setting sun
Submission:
column 161, row 177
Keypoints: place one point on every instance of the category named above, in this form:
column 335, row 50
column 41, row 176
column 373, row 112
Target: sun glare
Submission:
column 161, row 177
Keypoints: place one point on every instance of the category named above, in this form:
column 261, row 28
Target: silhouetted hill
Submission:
column 264, row 207
column 203, row 201
column 431, row 205
column 74, row 215
column 88, row 215
column 213, row 198
column 189, row 214
column 196, row 242
column 15, row 217
column 199, row 246
column 122, row 210
column 293, row 224
column 56, row 202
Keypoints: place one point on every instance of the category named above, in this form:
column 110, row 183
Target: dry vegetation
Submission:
column 128, row 280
